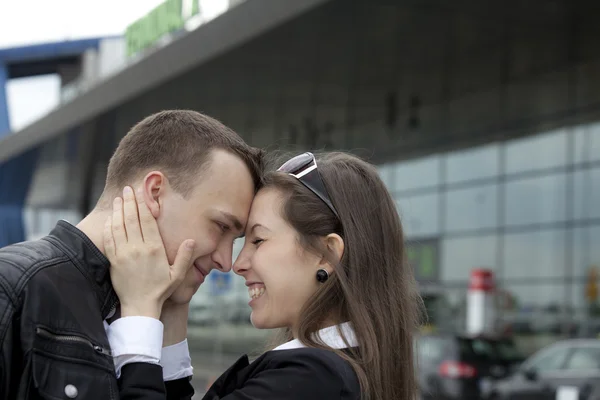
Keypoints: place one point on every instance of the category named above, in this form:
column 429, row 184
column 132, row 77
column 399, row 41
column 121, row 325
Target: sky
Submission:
column 24, row 22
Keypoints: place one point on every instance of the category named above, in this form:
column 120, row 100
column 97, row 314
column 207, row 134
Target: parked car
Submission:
column 453, row 367
column 573, row 364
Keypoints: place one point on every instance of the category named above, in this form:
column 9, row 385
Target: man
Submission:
column 62, row 330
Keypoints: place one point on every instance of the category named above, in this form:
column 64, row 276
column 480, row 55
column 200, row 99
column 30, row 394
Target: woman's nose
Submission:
column 241, row 264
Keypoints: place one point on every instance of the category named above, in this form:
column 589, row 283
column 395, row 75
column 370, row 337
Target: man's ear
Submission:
column 335, row 248
column 153, row 189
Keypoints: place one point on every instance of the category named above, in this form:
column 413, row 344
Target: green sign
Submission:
column 168, row 17
column 423, row 257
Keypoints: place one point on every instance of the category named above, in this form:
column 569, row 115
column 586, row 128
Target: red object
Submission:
column 482, row 279
column 455, row 369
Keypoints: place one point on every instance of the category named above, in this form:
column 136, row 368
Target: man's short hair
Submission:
column 177, row 143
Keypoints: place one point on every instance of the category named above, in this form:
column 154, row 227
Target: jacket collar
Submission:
column 238, row 372
column 329, row 336
column 89, row 260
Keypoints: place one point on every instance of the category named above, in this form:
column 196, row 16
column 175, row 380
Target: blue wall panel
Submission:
column 4, row 121
column 15, row 179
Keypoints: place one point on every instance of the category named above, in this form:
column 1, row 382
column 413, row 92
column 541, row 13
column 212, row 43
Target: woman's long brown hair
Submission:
column 372, row 287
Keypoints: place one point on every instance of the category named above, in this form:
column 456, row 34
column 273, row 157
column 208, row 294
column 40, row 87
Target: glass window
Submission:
column 587, row 143
column 538, row 254
column 585, row 291
column 533, row 308
column 537, row 152
column 482, row 162
column 472, row 208
column 417, row 174
column 420, row 214
column 423, row 256
column 461, row 255
column 586, row 252
column 445, row 308
column 368, row 135
column 587, row 194
column 551, row 359
column 584, row 358
column 536, row 200
column 385, row 172
column 542, row 301
column 53, row 150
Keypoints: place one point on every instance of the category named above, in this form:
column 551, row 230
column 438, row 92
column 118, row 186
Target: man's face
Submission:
column 214, row 215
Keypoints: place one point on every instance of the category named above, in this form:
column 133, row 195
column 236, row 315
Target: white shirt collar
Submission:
column 329, row 336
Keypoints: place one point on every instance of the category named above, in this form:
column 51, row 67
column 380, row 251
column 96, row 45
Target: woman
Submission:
column 324, row 260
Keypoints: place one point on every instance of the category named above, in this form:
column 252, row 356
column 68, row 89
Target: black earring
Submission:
column 322, row 275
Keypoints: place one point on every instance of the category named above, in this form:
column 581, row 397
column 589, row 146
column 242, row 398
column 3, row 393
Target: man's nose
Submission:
column 223, row 257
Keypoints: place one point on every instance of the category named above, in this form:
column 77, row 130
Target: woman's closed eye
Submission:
column 257, row 241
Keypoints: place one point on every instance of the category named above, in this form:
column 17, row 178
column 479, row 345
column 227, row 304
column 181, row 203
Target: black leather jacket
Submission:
column 54, row 296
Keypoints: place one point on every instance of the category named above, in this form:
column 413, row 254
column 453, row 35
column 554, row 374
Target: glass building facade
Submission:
column 527, row 209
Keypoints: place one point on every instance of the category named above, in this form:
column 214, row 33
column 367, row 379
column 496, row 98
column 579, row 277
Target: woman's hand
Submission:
column 140, row 272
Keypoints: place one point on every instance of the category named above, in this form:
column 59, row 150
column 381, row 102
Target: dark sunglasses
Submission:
column 304, row 168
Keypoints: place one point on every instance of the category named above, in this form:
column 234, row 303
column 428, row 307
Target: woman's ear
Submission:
column 335, row 248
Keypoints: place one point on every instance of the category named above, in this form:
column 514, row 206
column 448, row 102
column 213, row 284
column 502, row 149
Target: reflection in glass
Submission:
column 539, row 254
column 549, row 297
column 536, row 200
column 535, row 311
column 584, row 359
column 420, row 214
column 549, row 360
column 482, row 162
column 366, row 135
column 414, row 174
column 587, row 143
column 423, row 257
column 537, row 152
column 472, row 208
column 461, row 255
column 586, row 251
column 587, row 194
column 446, row 309
column 385, row 172
column 586, row 309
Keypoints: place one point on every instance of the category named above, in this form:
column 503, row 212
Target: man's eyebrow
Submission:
column 233, row 219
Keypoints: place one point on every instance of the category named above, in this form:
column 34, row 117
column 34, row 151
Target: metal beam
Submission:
column 241, row 24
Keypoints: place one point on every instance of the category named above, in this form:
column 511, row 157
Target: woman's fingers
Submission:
column 183, row 262
column 148, row 224
column 118, row 227
column 131, row 218
column 109, row 242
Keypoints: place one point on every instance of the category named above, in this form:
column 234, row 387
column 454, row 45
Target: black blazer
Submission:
column 144, row 381
column 294, row 374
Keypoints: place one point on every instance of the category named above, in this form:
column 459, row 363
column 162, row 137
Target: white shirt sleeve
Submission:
column 176, row 361
column 135, row 339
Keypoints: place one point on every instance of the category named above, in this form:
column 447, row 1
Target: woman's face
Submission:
column 280, row 275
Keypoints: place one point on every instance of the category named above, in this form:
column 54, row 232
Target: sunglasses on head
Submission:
column 304, row 168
